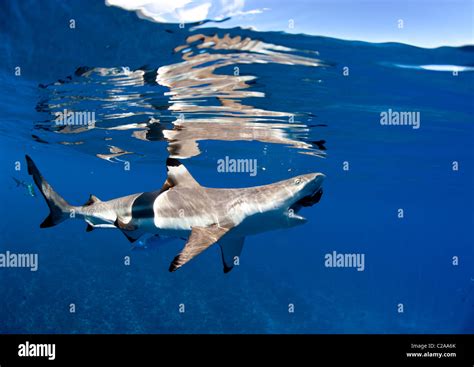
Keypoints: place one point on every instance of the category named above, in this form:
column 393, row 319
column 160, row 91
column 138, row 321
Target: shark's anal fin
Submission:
column 92, row 200
column 231, row 248
column 128, row 229
column 200, row 239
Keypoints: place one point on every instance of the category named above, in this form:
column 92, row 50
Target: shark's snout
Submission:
column 318, row 179
column 313, row 190
column 314, row 182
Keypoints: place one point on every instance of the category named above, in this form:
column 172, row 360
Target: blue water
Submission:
column 131, row 73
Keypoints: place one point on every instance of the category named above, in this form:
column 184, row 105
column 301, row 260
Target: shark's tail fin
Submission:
column 59, row 208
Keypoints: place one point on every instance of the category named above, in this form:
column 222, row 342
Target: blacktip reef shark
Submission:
column 184, row 208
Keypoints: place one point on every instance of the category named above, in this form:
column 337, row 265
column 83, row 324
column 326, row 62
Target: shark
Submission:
column 183, row 208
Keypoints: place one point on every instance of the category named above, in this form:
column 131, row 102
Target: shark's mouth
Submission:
column 310, row 200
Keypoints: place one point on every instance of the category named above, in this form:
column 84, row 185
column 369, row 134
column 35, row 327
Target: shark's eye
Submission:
column 297, row 181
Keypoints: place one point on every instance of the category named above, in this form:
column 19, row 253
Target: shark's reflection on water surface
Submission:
column 204, row 97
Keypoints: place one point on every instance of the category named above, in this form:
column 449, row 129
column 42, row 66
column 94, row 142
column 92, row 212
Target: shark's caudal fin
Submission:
column 59, row 208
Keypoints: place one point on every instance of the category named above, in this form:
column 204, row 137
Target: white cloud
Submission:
column 184, row 11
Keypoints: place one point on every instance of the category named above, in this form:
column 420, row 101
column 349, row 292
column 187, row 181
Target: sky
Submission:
column 425, row 23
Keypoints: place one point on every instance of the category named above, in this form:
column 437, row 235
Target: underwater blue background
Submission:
column 407, row 260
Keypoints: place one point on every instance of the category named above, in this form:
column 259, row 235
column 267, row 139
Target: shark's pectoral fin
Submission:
column 231, row 248
column 128, row 229
column 200, row 239
column 89, row 227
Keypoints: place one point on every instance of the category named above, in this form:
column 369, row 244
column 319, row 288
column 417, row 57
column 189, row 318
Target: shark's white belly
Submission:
column 168, row 228
column 265, row 221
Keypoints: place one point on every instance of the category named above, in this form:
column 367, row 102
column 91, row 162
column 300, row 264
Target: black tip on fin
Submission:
column 89, row 228
column 48, row 222
column 30, row 163
column 227, row 269
column 320, row 144
column 131, row 239
column 92, row 199
column 174, row 265
column 172, row 162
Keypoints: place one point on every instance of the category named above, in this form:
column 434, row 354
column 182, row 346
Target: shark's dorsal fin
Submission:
column 231, row 247
column 200, row 239
column 179, row 175
column 92, row 200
